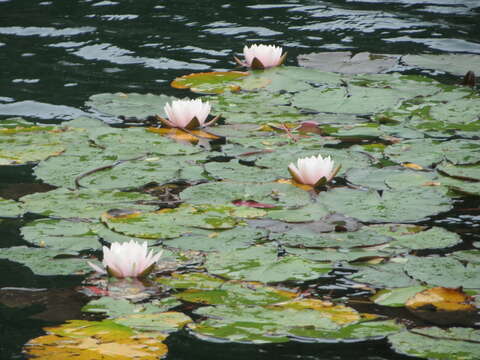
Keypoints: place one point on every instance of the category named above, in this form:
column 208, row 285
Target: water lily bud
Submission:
column 313, row 170
column 129, row 259
column 187, row 114
column 263, row 56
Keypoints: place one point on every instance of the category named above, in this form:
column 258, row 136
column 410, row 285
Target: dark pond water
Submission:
column 55, row 54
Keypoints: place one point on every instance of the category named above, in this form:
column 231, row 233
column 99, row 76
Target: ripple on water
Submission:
column 45, row 31
column 40, row 110
column 449, row 45
column 116, row 55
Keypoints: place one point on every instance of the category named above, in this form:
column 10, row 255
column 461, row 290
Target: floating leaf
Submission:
column 94, row 340
column 82, row 203
column 261, row 263
column 210, row 83
column 171, row 223
column 129, row 105
column 28, row 143
column 406, row 205
column 443, row 271
column 434, row 343
column 220, row 240
column 61, row 235
column 347, row 63
column 396, row 297
column 45, row 261
column 115, row 308
column 226, row 192
column 10, row 208
column 308, row 319
column 165, row 322
column 457, row 64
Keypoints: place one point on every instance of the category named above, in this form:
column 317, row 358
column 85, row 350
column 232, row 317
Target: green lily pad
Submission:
column 307, row 213
column 28, row 143
column 82, row 203
column 220, row 240
column 389, row 178
column 308, row 237
column 234, row 170
column 389, row 275
column 406, row 205
column 416, row 237
column 443, row 271
column 364, row 94
column 129, row 105
column 457, row 64
column 468, row 172
column 347, row 63
column 10, row 208
column 434, row 343
column 114, row 308
column 44, row 261
column 61, row 235
column 172, row 223
column 235, row 293
column 396, row 297
column 261, row 263
column 307, row 319
column 225, row 192
column 165, row 322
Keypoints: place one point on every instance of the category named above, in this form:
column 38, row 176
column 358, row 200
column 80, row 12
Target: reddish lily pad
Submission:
column 210, row 83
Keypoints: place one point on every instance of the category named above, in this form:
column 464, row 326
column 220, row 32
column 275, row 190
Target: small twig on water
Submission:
column 104, row 167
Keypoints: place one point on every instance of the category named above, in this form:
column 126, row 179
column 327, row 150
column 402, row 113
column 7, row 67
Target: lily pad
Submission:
column 89, row 204
column 172, row 223
column 443, row 271
column 30, row 143
column 406, row 205
column 396, row 297
column 10, row 208
column 457, row 64
column 306, row 319
column 129, row 105
column 347, row 63
column 220, row 240
column 115, row 308
column 389, row 275
column 165, row 322
column 225, row 192
column 261, row 263
column 45, row 261
column 236, row 293
column 94, row 340
column 61, row 235
column 455, row 343
column 210, row 83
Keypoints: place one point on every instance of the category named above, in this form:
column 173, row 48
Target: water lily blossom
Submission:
column 262, row 56
column 314, row 170
column 187, row 114
column 128, row 259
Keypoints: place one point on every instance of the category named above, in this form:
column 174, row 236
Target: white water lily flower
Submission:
column 262, row 56
column 129, row 259
column 187, row 114
column 311, row 170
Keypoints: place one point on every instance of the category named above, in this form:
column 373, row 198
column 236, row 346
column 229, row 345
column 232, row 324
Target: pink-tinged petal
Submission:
column 267, row 55
column 180, row 113
column 97, row 268
column 310, row 170
column 129, row 259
